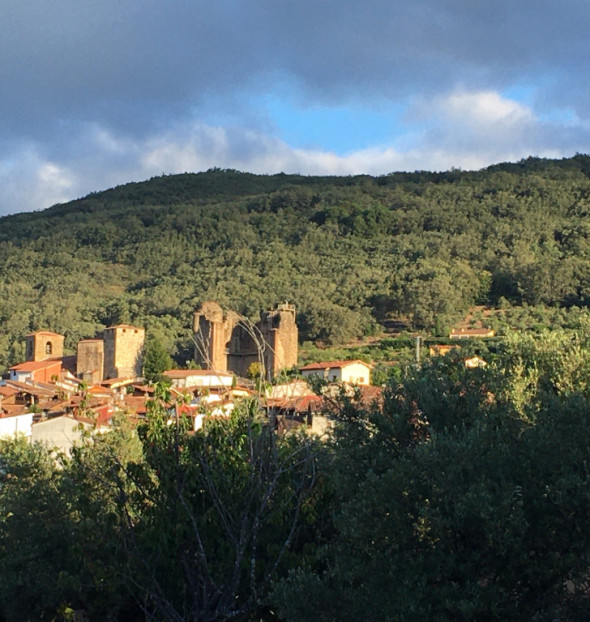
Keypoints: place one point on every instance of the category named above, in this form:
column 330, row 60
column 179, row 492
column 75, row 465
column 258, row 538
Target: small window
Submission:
column 48, row 348
column 361, row 380
column 334, row 378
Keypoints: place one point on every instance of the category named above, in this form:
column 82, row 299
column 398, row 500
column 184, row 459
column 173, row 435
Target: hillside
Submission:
column 350, row 252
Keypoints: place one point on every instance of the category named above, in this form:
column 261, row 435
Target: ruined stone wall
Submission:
column 90, row 360
column 226, row 343
column 212, row 332
column 280, row 333
column 243, row 348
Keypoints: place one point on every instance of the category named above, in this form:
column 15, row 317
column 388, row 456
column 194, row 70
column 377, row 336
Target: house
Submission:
column 36, row 371
column 12, row 425
column 351, row 372
column 471, row 333
column 441, row 349
column 287, row 390
column 196, row 378
column 27, row 393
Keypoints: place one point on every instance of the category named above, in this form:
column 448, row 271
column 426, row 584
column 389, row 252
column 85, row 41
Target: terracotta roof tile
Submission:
column 183, row 373
column 35, row 365
column 332, row 365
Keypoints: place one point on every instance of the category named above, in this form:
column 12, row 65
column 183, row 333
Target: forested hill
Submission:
column 348, row 251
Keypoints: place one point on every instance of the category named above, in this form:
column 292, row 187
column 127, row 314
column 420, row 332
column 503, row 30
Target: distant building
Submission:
column 351, row 372
column 441, row 349
column 90, row 360
column 60, row 433
column 15, row 425
column 123, row 351
column 36, row 371
column 226, row 342
column 118, row 354
column 43, row 345
column 471, row 333
column 195, row 378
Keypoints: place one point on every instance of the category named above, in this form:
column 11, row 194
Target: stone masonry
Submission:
column 123, row 351
column 224, row 341
column 90, row 360
column 43, row 345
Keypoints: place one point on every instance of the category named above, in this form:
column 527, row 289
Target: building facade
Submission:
column 43, row 345
column 351, row 372
column 123, row 351
column 90, row 360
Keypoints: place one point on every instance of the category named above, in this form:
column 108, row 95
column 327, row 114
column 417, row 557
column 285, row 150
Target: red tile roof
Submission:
column 8, row 391
column 35, row 365
column 13, row 410
column 332, row 365
column 31, row 389
column 121, row 382
column 184, row 373
column 136, row 404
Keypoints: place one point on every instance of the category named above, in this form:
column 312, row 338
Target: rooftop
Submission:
column 333, row 365
column 123, row 326
column 35, row 365
column 185, row 373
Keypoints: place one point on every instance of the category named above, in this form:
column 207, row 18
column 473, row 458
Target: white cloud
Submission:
column 105, row 92
column 484, row 109
column 463, row 129
column 28, row 182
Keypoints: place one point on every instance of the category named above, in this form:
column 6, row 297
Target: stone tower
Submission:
column 212, row 333
column 123, row 351
column 280, row 334
column 227, row 342
column 90, row 360
column 44, row 345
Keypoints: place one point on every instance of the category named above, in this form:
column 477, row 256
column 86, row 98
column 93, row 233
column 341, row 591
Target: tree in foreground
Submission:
column 214, row 516
column 465, row 498
column 158, row 524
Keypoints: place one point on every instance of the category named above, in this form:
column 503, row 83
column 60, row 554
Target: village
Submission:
column 58, row 399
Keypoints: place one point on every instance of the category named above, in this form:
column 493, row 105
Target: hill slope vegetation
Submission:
column 350, row 252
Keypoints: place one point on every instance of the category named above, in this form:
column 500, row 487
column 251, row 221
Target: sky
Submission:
column 98, row 93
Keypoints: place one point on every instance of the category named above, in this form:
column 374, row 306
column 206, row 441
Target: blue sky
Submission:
column 94, row 94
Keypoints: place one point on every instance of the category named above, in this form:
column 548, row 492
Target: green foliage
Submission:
column 219, row 512
column 465, row 498
column 348, row 251
column 156, row 360
column 60, row 544
column 165, row 525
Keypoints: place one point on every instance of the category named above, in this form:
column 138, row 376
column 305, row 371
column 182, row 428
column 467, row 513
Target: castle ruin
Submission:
column 226, row 341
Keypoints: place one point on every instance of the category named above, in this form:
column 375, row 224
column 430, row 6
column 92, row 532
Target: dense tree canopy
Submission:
column 348, row 251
